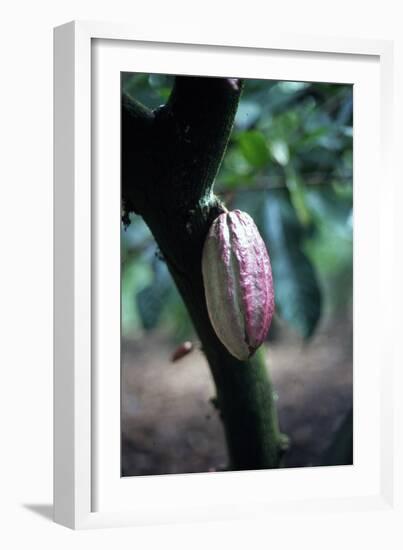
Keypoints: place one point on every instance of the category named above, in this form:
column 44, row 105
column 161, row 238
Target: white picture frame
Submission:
column 88, row 491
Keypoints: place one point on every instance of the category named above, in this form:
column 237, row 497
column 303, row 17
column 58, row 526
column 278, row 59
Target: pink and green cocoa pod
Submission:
column 238, row 283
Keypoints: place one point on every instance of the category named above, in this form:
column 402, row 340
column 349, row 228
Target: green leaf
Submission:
column 291, row 87
column 297, row 197
column 235, row 163
column 297, row 292
column 254, row 148
column 135, row 275
column 151, row 299
column 280, row 152
column 247, row 114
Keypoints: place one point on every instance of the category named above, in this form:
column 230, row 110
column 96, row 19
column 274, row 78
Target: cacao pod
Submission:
column 238, row 283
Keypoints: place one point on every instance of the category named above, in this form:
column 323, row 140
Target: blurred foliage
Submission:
column 289, row 165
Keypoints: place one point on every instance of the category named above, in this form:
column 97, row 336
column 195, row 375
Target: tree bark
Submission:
column 170, row 158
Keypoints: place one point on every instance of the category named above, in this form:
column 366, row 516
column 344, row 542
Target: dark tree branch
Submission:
column 201, row 113
column 136, row 131
column 170, row 158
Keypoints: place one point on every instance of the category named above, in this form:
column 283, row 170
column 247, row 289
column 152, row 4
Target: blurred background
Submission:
column 289, row 165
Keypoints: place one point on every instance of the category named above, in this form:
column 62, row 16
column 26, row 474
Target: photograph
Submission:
column 236, row 274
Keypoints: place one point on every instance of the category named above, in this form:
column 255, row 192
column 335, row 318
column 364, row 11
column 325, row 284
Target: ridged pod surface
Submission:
column 238, row 283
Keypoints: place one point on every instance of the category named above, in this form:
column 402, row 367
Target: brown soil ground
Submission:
column 170, row 426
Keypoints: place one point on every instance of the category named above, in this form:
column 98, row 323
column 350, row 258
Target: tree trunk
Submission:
column 170, row 158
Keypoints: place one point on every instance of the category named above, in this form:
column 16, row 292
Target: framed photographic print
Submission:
column 219, row 229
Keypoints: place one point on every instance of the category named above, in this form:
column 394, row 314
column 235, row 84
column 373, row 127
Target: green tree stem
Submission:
column 170, row 158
